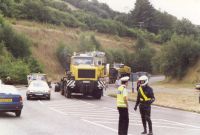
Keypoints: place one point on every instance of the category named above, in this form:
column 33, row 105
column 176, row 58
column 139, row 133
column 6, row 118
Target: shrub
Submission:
column 181, row 53
column 17, row 44
column 17, row 70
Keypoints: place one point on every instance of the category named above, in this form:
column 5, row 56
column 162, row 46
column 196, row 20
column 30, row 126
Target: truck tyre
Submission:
column 98, row 94
column 18, row 113
column 57, row 88
column 67, row 93
column 27, row 97
column 62, row 92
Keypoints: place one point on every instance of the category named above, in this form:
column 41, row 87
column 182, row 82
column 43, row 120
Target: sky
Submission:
column 189, row 9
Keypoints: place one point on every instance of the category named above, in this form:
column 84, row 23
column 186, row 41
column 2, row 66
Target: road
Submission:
column 77, row 116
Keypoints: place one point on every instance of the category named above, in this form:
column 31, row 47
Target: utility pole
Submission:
column 141, row 24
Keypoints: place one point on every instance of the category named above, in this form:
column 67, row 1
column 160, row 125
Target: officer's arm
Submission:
column 152, row 96
column 125, row 93
column 137, row 101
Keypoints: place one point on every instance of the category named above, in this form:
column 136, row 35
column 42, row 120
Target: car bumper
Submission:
column 10, row 107
column 39, row 95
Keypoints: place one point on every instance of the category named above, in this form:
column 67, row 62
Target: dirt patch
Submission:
column 174, row 97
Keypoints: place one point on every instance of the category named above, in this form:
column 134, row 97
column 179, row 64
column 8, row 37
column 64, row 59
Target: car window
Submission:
column 39, row 84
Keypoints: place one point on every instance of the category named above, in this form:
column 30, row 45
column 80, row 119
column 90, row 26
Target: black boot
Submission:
column 144, row 132
column 150, row 133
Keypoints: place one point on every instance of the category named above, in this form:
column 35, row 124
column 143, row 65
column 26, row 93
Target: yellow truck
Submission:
column 86, row 75
column 122, row 69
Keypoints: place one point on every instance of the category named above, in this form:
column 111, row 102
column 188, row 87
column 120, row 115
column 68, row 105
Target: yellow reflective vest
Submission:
column 120, row 97
column 144, row 97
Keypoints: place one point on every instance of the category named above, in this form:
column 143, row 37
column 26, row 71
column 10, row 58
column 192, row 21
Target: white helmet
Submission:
column 143, row 80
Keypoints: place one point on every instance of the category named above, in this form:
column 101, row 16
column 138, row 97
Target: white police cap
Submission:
column 126, row 78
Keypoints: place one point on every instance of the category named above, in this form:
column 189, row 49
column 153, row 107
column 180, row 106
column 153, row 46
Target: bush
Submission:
column 64, row 52
column 15, row 56
column 17, row 44
column 36, row 10
column 180, row 54
column 16, row 70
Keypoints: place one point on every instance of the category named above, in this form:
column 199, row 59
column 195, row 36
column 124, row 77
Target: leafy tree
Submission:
column 140, row 44
column 175, row 58
column 185, row 27
column 143, row 13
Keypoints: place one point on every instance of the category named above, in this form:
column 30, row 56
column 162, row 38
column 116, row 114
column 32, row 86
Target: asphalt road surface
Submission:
column 78, row 116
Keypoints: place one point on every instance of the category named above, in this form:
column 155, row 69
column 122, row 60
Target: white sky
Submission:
column 189, row 9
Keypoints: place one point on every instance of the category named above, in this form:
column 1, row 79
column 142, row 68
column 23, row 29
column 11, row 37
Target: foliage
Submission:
column 143, row 56
column 36, row 10
column 15, row 56
column 140, row 44
column 181, row 53
column 17, row 70
column 143, row 13
column 17, row 44
column 185, row 27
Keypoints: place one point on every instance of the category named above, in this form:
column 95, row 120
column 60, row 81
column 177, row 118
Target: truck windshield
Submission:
column 82, row 60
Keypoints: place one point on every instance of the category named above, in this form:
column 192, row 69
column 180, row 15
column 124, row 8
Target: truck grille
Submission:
column 84, row 73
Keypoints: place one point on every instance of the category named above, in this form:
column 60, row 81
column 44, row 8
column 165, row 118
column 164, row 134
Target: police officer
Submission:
column 122, row 106
column 145, row 98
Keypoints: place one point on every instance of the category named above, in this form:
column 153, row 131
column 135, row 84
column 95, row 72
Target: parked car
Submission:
column 10, row 99
column 38, row 89
column 197, row 86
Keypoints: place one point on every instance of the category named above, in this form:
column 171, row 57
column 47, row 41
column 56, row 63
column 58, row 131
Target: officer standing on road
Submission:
column 145, row 98
column 122, row 106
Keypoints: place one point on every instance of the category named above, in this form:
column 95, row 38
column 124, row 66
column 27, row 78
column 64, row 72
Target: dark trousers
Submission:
column 145, row 111
column 123, row 121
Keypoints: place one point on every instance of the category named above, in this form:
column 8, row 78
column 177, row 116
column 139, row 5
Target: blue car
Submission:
column 10, row 100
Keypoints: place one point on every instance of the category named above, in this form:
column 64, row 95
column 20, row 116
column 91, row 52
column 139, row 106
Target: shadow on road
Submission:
column 7, row 115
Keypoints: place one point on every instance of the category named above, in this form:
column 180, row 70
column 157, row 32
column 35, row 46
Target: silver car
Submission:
column 38, row 89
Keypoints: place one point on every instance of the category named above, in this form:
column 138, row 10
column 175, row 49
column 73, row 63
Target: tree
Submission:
column 176, row 57
column 185, row 27
column 140, row 44
column 143, row 13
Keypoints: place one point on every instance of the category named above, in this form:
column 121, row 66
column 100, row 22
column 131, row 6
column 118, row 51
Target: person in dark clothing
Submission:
column 145, row 98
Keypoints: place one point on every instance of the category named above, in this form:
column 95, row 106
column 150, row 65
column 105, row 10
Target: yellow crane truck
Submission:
column 86, row 75
column 118, row 70
column 122, row 69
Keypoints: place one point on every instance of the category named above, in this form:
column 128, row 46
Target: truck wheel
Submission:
column 57, row 88
column 67, row 93
column 18, row 113
column 98, row 94
column 27, row 97
column 62, row 92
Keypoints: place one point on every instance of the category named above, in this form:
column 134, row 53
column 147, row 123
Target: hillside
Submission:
column 193, row 74
column 50, row 23
column 46, row 39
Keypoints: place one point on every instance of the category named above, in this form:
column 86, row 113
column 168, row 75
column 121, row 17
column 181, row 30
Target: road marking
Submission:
column 55, row 110
column 99, row 115
column 100, row 125
column 178, row 123
column 40, row 102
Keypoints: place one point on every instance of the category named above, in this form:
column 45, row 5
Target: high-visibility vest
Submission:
column 120, row 97
column 144, row 97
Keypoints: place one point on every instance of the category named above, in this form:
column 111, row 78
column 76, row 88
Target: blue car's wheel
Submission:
column 18, row 113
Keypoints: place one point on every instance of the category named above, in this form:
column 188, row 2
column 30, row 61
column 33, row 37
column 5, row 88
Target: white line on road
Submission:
column 100, row 125
column 40, row 102
column 178, row 123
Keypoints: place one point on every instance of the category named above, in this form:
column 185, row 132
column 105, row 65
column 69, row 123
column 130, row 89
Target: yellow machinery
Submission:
column 122, row 69
column 118, row 70
column 86, row 75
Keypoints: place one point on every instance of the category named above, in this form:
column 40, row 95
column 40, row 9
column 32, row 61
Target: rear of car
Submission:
column 10, row 100
column 38, row 89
